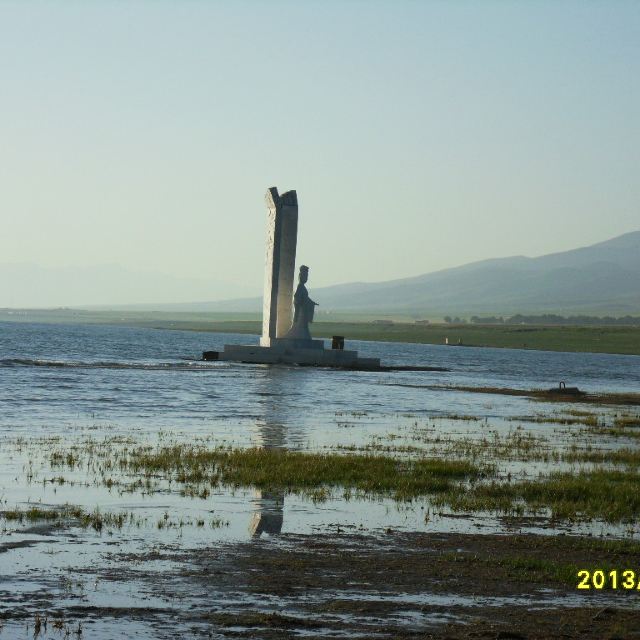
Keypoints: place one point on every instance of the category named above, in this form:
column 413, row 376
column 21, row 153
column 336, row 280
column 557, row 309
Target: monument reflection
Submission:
column 274, row 387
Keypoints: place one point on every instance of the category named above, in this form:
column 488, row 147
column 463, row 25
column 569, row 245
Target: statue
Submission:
column 283, row 340
column 304, row 308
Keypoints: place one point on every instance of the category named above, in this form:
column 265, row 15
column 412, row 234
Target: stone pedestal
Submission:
column 314, row 357
column 291, row 343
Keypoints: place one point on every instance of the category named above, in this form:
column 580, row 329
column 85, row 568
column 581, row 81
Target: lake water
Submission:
column 55, row 376
column 79, row 382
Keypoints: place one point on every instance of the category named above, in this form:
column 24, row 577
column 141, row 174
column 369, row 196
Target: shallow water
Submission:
column 75, row 382
column 86, row 381
column 75, row 374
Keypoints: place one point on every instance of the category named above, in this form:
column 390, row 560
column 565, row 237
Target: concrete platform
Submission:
column 313, row 356
column 290, row 343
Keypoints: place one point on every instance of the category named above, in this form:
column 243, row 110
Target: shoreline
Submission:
column 394, row 584
column 609, row 339
column 408, row 334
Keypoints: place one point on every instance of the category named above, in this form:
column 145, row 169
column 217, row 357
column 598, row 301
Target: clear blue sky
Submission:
column 419, row 135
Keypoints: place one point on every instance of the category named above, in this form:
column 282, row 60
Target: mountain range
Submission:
column 603, row 278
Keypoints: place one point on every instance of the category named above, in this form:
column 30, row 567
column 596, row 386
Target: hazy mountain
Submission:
column 602, row 278
column 30, row 285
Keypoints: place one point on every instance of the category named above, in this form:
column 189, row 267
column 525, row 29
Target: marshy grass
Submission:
column 625, row 456
column 518, row 444
column 601, row 493
column 464, row 472
column 608, row 495
column 74, row 515
column 527, row 568
column 38, row 514
column 545, row 395
column 300, row 472
column 626, row 421
column 587, row 419
column 197, row 469
column 617, row 432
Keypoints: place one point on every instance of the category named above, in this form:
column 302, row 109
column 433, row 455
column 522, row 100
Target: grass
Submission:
column 593, row 339
column 525, row 568
column 622, row 422
column 588, row 419
column 616, row 432
column 632, row 399
column 307, row 473
column 464, row 472
column 601, row 339
column 523, row 447
column 517, row 444
column 36, row 514
column 608, row 495
column 625, row 456
column 94, row 520
column 601, row 493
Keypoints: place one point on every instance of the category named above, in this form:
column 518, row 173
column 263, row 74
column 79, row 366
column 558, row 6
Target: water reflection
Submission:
column 268, row 515
column 275, row 388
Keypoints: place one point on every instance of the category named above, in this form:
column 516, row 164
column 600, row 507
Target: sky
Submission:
column 418, row 135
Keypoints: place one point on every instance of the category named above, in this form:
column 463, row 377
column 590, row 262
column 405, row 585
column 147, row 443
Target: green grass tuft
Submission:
column 295, row 471
column 611, row 496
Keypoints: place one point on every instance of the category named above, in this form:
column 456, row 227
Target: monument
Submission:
column 280, row 262
column 286, row 337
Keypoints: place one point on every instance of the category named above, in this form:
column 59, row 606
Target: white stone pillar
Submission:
column 282, row 237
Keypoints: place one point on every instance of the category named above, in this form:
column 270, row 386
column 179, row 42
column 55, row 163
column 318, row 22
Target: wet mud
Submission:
column 390, row 585
column 568, row 396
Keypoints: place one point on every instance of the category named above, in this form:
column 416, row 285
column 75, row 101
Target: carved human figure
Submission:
column 304, row 308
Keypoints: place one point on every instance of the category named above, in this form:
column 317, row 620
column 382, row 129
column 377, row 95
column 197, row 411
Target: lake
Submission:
column 69, row 385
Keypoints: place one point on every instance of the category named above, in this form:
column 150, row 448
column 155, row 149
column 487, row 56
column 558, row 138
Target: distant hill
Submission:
column 602, row 278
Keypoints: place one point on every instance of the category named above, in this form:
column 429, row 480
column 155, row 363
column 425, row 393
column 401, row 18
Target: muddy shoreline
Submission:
column 390, row 585
column 543, row 395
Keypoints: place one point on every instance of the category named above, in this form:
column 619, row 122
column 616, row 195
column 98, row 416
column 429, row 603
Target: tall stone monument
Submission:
column 285, row 338
column 280, row 263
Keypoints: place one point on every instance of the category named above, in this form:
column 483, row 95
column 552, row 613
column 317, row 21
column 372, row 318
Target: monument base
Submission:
column 288, row 354
column 283, row 344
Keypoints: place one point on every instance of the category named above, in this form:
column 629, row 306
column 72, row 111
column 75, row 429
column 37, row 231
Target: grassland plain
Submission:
column 622, row 340
column 603, row 339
